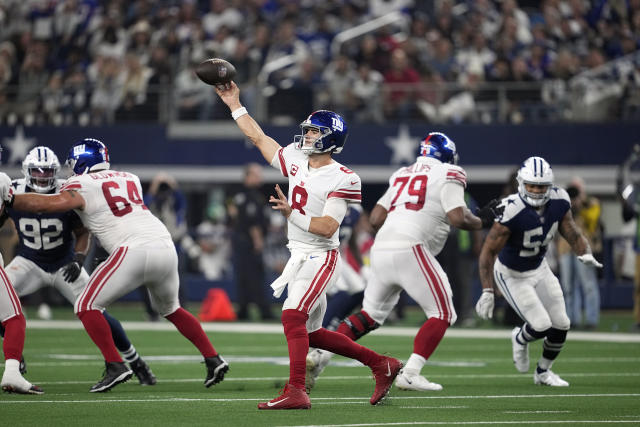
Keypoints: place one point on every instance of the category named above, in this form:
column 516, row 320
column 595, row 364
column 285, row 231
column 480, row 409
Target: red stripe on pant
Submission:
column 13, row 297
column 442, row 291
column 319, row 282
column 93, row 287
column 432, row 280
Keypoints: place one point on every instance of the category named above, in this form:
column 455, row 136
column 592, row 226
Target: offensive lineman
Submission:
column 46, row 256
column 412, row 219
column 110, row 205
column 519, row 240
column 319, row 190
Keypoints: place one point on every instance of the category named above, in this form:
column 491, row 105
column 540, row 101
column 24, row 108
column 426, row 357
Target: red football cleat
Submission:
column 384, row 373
column 290, row 398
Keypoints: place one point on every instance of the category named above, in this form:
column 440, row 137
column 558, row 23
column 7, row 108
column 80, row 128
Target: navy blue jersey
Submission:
column 349, row 222
column 45, row 239
column 531, row 231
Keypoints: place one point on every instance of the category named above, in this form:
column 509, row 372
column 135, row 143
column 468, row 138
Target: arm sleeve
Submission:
column 452, row 195
column 336, row 209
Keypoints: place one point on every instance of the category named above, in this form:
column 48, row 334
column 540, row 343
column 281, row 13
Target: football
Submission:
column 215, row 71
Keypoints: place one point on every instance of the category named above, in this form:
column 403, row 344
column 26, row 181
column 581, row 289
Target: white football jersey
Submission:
column 114, row 211
column 414, row 202
column 309, row 190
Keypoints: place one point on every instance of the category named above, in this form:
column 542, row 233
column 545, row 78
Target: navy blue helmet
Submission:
column 333, row 132
column 439, row 146
column 88, row 155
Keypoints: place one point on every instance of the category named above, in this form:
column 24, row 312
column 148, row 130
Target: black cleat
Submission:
column 142, row 371
column 216, row 368
column 114, row 374
column 23, row 366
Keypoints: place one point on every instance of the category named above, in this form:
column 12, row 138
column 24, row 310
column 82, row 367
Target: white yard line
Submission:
column 150, row 399
column 273, row 328
column 442, row 423
column 342, row 377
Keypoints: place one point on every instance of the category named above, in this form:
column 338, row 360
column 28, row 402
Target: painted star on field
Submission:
column 404, row 146
column 18, row 146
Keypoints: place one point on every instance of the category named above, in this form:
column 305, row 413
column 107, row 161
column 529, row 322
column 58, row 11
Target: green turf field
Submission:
column 481, row 386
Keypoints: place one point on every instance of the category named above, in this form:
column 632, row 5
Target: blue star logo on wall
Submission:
column 19, row 146
column 404, row 146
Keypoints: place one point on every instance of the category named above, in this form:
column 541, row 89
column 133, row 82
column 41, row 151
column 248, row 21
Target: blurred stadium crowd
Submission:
column 94, row 62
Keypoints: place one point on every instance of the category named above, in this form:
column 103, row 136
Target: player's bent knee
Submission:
column 540, row 325
column 563, row 323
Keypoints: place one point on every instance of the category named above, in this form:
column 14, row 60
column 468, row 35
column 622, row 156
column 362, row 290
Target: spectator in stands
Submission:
column 108, row 83
column 338, row 77
column 193, row 98
column 400, row 86
column 364, row 99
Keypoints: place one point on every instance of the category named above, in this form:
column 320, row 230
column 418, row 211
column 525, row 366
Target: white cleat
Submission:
column 415, row 383
column 520, row 352
column 317, row 360
column 13, row 382
column 549, row 378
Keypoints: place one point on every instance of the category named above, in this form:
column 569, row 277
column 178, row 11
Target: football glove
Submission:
column 71, row 271
column 484, row 306
column 588, row 259
column 489, row 212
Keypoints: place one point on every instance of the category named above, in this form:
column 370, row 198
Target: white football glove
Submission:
column 484, row 306
column 588, row 259
column 6, row 190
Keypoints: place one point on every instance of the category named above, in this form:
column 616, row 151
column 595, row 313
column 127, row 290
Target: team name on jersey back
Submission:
column 414, row 204
column 531, row 230
column 114, row 210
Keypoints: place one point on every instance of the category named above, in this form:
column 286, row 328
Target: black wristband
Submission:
column 10, row 202
column 79, row 258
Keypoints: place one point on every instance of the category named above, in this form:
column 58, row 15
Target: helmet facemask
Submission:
column 535, row 171
column 40, row 169
column 316, row 146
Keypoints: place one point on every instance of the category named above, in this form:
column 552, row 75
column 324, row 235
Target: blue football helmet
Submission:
column 88, row 155
column 535, row 171
column 333, row 130
column 440, row 147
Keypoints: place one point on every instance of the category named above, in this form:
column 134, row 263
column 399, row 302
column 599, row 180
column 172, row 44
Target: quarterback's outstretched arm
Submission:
column 231, row 96
column 48, row 203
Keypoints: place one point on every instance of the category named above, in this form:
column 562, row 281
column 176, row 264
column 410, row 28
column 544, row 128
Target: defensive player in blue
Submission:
column 519, row 240
column 47, row 254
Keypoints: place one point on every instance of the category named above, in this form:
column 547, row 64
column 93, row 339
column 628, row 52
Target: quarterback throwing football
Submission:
column 320, row 190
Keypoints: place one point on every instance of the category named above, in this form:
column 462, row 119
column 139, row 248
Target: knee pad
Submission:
column 556, row 336
column 533, row 334
column 361, row 324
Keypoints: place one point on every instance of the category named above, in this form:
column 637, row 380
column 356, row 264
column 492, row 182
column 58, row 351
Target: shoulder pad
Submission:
column 558, row 193
column 457, row 174
column 513, row 205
